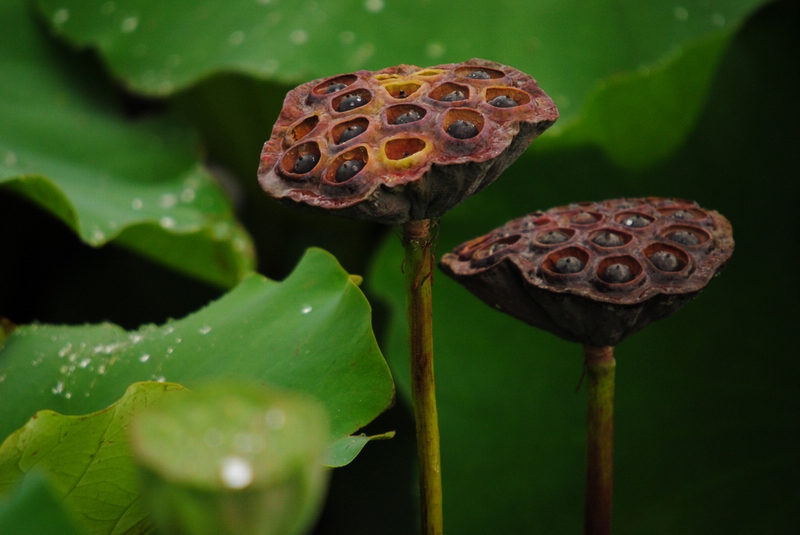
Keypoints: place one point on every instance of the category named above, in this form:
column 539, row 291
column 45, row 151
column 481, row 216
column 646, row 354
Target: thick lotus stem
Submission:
column 600, row 366
column 419, row 244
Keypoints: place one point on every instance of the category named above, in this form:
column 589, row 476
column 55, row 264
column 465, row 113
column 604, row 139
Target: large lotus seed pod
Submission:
column 596, row 273
column 402, row 143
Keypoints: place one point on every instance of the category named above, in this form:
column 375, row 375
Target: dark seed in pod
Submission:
column 498, row 246
column 333, row 88
column 503, row 101
column 479, row 75
column 350, row 132
column 408, row 117
column 684, row 237
column 617, row 273
column 608, row 239
column 462, row 129
column 348, row 170
column 350, row 102
column 635, row 221
column 453, row 96
column 665, row 261
column 552, row 236
column 568, row 264
column 681, row 214
column 305, row 163
column 583, row 218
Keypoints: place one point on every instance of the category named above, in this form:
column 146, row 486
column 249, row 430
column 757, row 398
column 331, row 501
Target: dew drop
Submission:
column 275, row 418
column 435, row 49
column 137, row 204
column 187, row 195
column 61, row 16
column 167, row 222
column 236, row 38
column 298, row 37
column 205, row 329
column 10, row 159
column 374, row 6
column 161, row 379
column 306, row 309
column 236, row 473
column 58, row 388
column 168, row 200
column 64, row 351
column 129, row 24
column 84, row 362
column 144, row 358
column 68, row 395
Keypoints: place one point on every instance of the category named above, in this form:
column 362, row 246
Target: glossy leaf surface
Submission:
column 66, row 145
column 311, row 332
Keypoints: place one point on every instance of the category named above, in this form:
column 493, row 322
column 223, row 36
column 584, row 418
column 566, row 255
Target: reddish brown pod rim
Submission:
column 596, row 272
column 403, row 143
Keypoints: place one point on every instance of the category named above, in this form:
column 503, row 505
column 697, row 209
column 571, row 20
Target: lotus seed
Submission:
column 684, row 237
column 350, row 102
column 479, row 75
column 462, row 129
column 333, row 88
column 568, row 264
column 552, row 236
column 665, row 261
column 408, row 117
column 608, row 239
column 583, row 218
column 617, row 273
column 681, row 214
column 350, row 132
column 348, row 170
column 305, row 163
column 503, row 101
column 453, row 96
column 636, row 221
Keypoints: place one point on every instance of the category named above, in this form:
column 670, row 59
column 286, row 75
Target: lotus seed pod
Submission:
column 403, row 143
column 595, row 273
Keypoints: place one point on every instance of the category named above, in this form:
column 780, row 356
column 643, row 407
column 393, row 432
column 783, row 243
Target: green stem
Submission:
column 599, row 440
column 419, row 247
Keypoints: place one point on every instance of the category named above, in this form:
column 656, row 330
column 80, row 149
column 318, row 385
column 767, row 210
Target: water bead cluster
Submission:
column 401, row 143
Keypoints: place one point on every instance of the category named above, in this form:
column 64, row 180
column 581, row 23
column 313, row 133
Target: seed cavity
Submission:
column 684, row 237
column 348, row 170
column 584, row 218
column 350, row 132
column 408, row 117
column 333, row 88
column 617, row 273
column 503, row 101
column 568, row 264
column 351, row 102
column 665, row 261
column 608, row 239
column 635, row 221
column 305, row 163
column 479, row 75
column 461, row 129
column 552, row 236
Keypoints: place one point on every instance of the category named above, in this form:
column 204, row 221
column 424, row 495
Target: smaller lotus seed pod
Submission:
column 604, row 284
column 426, row 139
